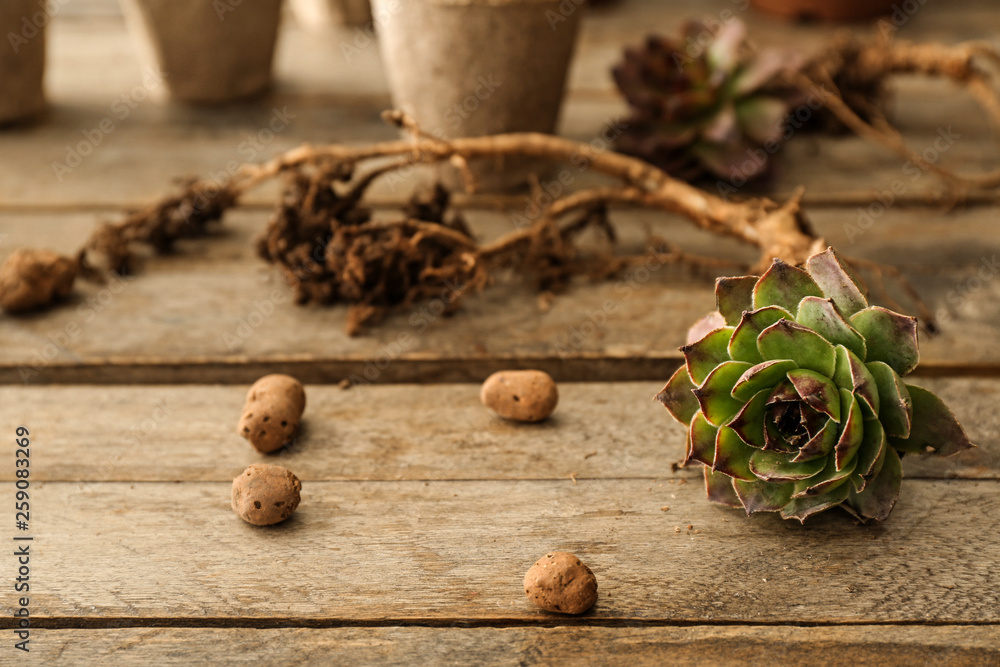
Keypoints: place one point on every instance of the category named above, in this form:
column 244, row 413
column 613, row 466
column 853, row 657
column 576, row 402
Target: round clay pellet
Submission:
column 265, row 494
column 525, row 396
column 272, row 412
column 561, row 582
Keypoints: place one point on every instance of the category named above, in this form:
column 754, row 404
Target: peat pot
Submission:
column 22, row 59
column 830, row 10
column 466, row 68
column 208, row 51
column 318, row 15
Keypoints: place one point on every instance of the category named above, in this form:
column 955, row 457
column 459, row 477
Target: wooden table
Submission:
column 420, row 513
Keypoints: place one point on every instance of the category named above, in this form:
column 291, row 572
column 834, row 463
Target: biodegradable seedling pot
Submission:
column 826, row 10
column 465, row 68
column 209, row 52
column 22, row 59
column 319, row 15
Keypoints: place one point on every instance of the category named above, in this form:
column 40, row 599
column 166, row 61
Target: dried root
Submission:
column 113, row 247
column 855, row 74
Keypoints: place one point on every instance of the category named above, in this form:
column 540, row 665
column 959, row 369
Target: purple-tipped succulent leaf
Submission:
column 733, row 297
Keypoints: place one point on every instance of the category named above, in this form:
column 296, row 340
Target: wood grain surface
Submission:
column 215, row 313
column 111, row 553
column 893, row 646
column 420, row 511
column 402, row 432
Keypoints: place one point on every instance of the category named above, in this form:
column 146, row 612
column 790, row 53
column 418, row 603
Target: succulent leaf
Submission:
column 749, row 421
column 826, row 480
column 762, row 118
column 715, row 395
column 762, row 496
column 851, row 374
column 821, row 444
column 733, row 296
column 822, row 316
column 723, row 54
column 934, row 427
column 677, row 398
column 756, row 73
column 836, row 281
column 817, row 391
column 705, row 355
column 879, row 497
column 812, row 420
column 743, row 344
column 803, row 508
column 701, row 441
column 732, row 455
column 720, row 489
column 890, row 337
column 788, row 340
column 895, row 406
column 785, row 286
column 776, row 467
column 851, row 432
column 762, row 376
column 704, row 326
column 871, row 455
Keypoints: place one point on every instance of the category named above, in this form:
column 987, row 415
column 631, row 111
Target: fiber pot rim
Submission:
column 496, row 3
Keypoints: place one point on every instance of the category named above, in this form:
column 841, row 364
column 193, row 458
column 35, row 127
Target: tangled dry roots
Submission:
column 330, row 250
column 189, row 214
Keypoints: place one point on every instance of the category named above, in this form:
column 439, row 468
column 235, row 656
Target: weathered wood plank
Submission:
column 400, row 432
column 683, row 647
column 215, row 313
column 399, row 552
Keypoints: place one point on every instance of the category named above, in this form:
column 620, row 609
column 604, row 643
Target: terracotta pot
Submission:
column 209, row 52
column 467, row 68
column 22, row 59
column 826, row 10
column 325, row 14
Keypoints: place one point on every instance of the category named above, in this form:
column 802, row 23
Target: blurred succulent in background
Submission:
column 704, row 110
column 793, row 397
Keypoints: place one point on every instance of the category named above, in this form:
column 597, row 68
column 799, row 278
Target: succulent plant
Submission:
column 696, row 110
column 794, row 399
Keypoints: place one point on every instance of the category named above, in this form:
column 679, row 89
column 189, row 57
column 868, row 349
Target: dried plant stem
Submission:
column 777, row 231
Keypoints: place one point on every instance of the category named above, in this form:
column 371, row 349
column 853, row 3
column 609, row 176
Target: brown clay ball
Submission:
column 272, row 412
column 524, row 396
column 32, row 279
column 561, row 582
column 265, row 494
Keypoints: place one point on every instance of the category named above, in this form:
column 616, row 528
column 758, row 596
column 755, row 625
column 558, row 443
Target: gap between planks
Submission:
column 550, row 621
column 900, row 646
column 401, row 371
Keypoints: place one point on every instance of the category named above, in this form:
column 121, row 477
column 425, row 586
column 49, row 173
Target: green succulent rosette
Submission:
column 796, row 404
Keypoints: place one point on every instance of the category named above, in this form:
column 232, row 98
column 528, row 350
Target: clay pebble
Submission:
column 525, row 396
column 32, row 279
column 265, row 494
column 271, row 415
column 559, row 581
